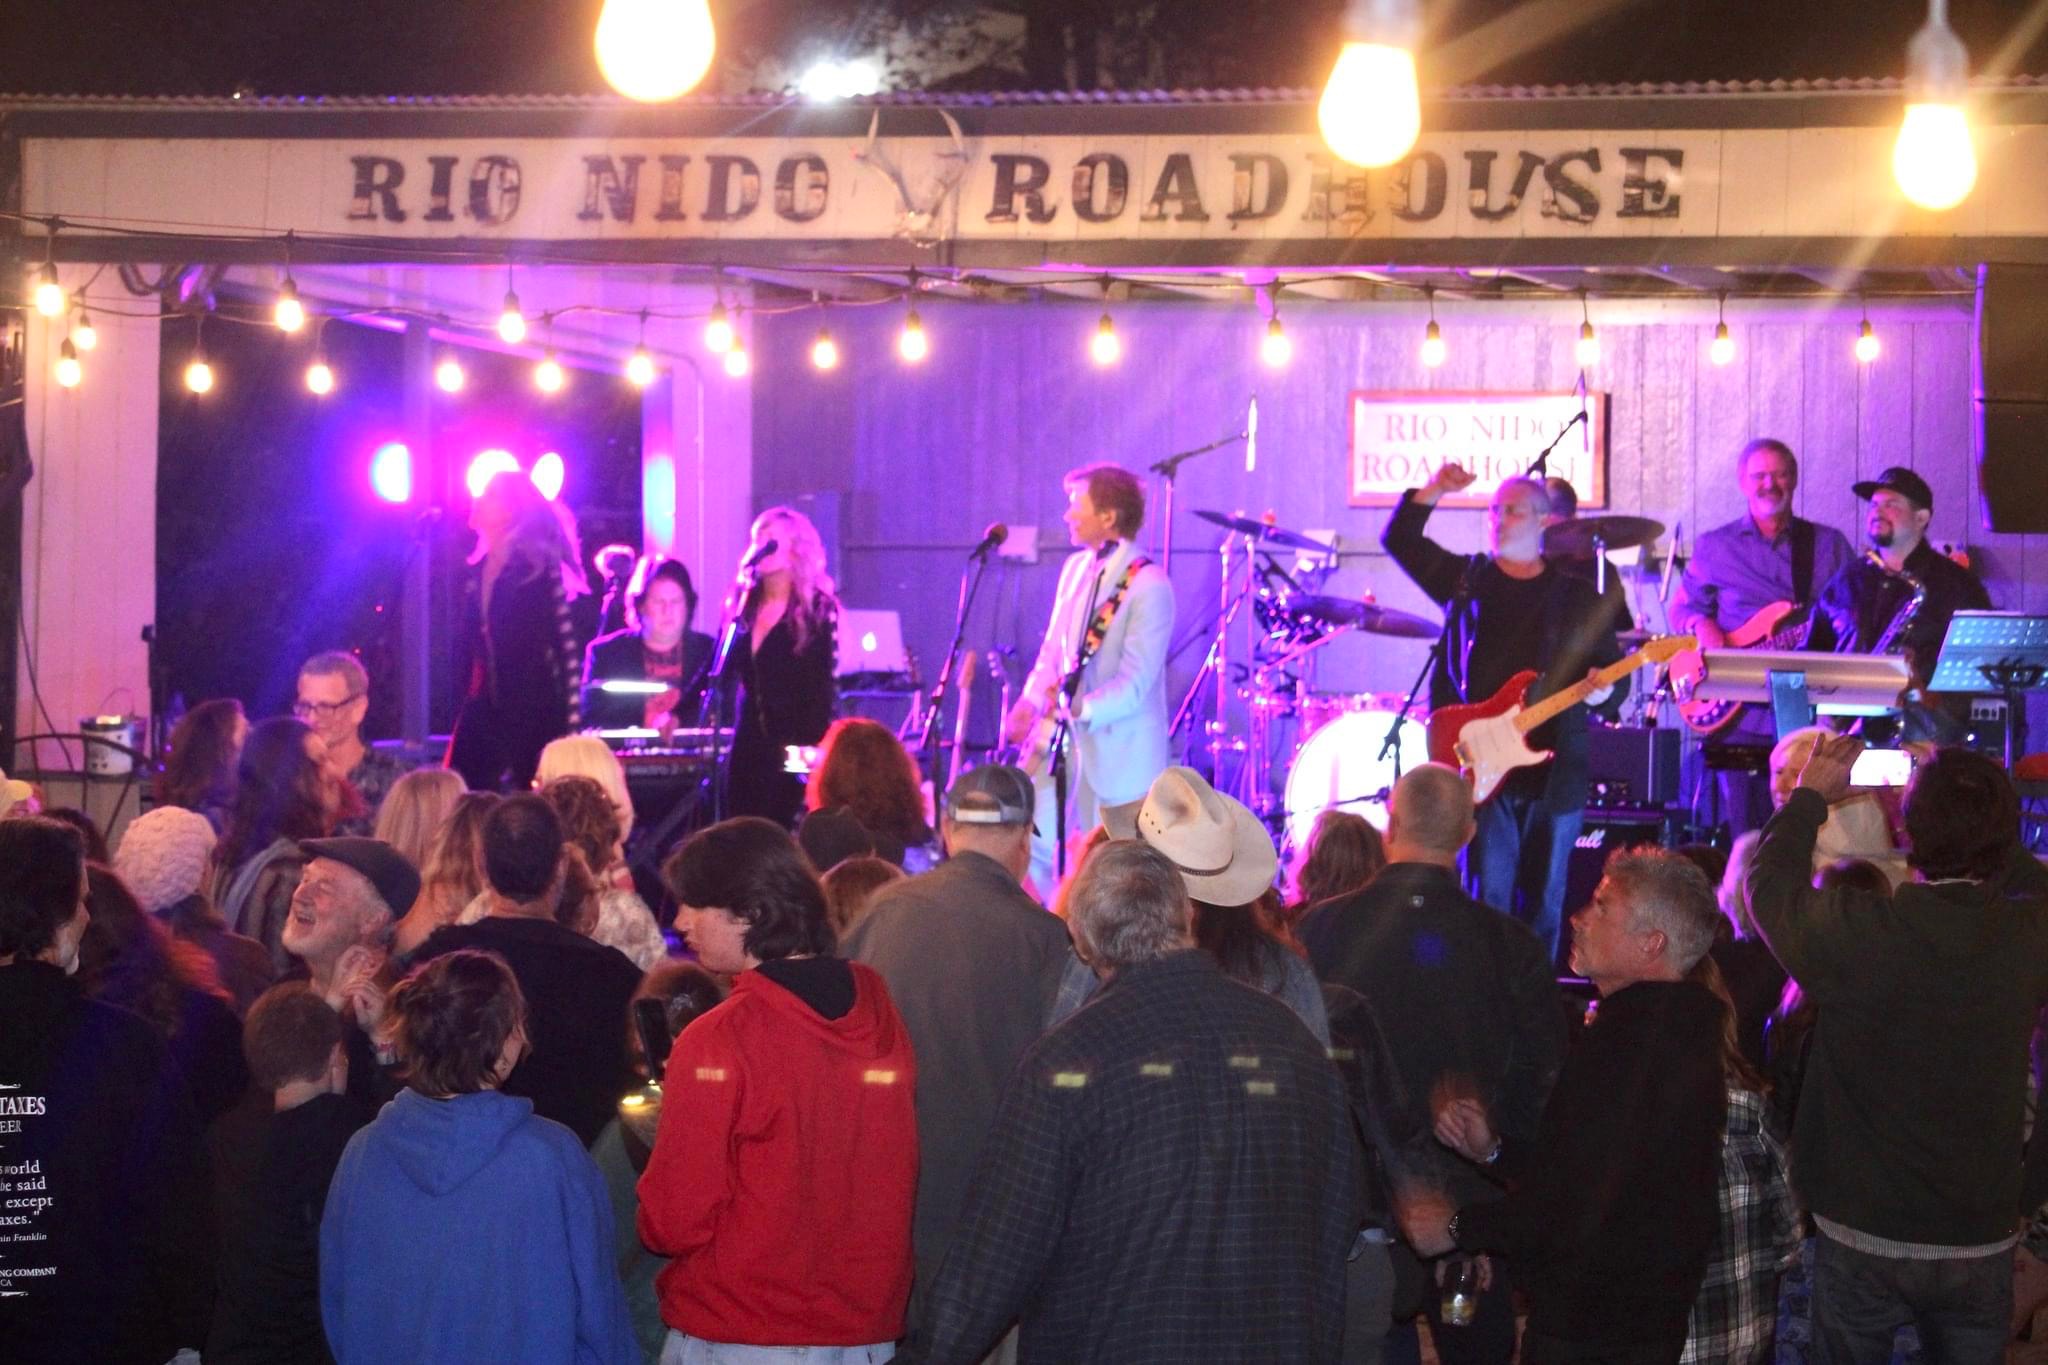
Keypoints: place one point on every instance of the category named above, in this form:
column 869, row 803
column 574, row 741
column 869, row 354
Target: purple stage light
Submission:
column 487, row 465
column 547, row 475
column 391, row 472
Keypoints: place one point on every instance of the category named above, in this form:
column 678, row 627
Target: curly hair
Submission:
column 813, row 596
column 864, row 768
column 590, row 819
column 449, row 1021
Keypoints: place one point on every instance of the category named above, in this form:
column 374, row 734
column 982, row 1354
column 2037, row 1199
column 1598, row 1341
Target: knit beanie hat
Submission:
column 163, row 856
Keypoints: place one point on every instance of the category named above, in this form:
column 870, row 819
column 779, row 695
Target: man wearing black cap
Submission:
column 972, row 964
column 352, row 892
column 1859, row 606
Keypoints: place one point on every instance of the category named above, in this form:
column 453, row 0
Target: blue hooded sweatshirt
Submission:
column 468, row 1229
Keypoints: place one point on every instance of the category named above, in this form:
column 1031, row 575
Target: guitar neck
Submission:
column 1556, row 702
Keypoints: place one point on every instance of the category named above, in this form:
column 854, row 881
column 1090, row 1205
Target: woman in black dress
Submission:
column 784, row 661
column 525, row 670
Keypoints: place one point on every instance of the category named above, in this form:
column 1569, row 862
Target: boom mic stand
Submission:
column 1169, row 469
column 926, row 751
column 722, row 685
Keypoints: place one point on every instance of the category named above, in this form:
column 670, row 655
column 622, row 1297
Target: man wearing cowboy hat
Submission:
column 1860, row 603
column 1172, row 1174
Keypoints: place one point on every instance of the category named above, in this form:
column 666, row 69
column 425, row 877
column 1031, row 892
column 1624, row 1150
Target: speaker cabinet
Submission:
column 2011, row 392
column 1603, row 833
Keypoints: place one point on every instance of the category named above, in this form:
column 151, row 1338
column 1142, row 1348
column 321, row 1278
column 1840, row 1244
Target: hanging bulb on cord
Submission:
column 511, row 322
column 1371, row 109
column 1933, row 159
column 49, row 293
column 69, row 371
column 655, row 50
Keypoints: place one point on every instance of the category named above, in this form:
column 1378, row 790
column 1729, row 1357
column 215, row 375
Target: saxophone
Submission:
column 1888, row 642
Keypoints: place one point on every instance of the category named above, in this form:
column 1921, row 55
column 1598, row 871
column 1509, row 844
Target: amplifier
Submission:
column 1632, row 765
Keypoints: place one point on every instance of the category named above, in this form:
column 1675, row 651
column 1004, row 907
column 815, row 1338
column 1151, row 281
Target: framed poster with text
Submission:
column 1399, row 439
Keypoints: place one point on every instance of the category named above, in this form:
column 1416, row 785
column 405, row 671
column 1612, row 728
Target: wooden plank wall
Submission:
column 922, row 459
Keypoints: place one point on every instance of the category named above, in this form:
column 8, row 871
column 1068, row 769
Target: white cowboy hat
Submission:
column 1224, row 853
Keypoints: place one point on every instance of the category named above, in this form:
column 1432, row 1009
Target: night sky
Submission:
column 341, row 47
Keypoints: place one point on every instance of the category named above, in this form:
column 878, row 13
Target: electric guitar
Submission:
column 1488, row 740
column 1781, row 625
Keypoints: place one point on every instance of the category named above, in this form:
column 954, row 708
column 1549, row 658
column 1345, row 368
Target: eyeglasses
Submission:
column 324, row 710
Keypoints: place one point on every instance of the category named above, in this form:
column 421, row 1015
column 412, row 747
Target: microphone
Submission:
column 768, row 547
column 1585, row 427
column 1251, row 435
column 991, row 539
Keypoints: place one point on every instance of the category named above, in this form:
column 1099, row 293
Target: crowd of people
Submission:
column 329, row 1061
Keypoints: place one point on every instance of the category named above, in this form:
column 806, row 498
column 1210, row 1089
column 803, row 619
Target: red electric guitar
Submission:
column 1488, row 740
column 1781, row 625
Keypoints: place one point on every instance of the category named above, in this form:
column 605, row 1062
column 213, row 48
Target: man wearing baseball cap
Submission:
column 352, row 892
column 1859, row 605
column 972, row 963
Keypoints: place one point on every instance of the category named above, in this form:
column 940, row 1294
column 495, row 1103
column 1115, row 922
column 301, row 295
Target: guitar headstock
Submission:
column 1665, row 648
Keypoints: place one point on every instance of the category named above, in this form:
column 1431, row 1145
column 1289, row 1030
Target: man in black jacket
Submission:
column 1504, row 612
column 1908, row 1137
column 1611, row 1212
column 106, row 1234
column 1465, row 997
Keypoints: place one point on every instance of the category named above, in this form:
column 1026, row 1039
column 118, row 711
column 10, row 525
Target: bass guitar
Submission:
column 1488, row 740
column 1781, row 625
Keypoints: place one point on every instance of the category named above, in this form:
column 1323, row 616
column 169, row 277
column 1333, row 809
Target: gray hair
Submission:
column 1129, row 905
column 335, row 663
column 1666, row 892
column 1537, row 492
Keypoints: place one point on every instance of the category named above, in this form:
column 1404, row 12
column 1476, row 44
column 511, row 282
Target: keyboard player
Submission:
column 657, row 666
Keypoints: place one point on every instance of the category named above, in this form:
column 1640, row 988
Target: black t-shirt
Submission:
column 576, row 1066
column 1514, row 617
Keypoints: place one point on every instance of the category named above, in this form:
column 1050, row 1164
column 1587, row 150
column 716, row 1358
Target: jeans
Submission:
column 1519, row 859
column 1963, row 1308
column 688, row 1350
column 1368, row 1304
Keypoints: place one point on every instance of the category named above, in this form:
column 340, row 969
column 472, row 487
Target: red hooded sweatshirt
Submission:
column 785, row 1171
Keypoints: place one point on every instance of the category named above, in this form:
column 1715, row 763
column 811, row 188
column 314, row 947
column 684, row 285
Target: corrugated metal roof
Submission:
column 1240, row 95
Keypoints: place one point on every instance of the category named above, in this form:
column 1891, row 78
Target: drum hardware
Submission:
column 1261, row 531
column 1581, row 537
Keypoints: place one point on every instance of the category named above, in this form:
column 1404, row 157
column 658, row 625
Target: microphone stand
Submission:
column 722, row 686
column 1169, row 469
column 1540, row 466
column 926, row 752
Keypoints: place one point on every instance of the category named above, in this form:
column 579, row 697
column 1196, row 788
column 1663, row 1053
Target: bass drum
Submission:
column 1340, row 765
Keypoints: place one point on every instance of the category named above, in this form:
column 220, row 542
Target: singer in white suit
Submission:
column 1119, row 717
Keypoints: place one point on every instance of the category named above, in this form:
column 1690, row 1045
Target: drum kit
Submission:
column 1347, row 749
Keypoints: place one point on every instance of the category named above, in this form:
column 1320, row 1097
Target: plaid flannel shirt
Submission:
column 1757, row 1238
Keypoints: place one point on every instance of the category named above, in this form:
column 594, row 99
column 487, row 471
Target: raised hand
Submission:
column 1827, row 767
column 1462, row 1126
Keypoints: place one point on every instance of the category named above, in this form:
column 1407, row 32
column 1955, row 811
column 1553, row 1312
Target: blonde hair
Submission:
column 1789, row 755
column 542, row 534
column 588, row 756
column 814, row 597
column 416, row 808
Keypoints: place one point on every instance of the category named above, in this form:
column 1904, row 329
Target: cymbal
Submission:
column 1575, row 539
column 1259, row 530
column 1370, row 617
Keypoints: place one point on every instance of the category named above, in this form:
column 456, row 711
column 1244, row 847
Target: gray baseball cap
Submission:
column 994, row 794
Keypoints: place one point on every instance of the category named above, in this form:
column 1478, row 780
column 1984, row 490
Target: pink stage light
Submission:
column 547, row 475
column 391, row 472
column 487, row 465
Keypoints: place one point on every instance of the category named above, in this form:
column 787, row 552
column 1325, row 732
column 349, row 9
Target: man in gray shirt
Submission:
column 1766, row 555
column 972, row 964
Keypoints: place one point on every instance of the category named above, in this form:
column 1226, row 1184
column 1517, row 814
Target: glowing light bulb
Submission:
column 1105, row 347
column 718, row 333
column 654, row 50
column 449, row 376
column 1933, row 160
column 825, row 351
column 511, row 322
column 69, row 371
column 320, row 378
column 391, row 472
column 1275, row 348
column 1722, row 349
column 1433, row 345
column 548, row 376
column 49, row 293
column 1587, row 352
column 911, row 343
column 290, row 314
column 1371, row 110
column 84, row 335
column 547, row 475
column 640, row 367
column 1866, row 343
column 737, row 362
column 199, row 375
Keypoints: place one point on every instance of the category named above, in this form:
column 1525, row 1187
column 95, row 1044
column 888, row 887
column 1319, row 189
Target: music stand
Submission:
column 1797, row 686
column 1998, row 651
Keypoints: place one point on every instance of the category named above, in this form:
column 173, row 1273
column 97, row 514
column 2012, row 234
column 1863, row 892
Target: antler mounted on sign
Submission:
column 919, row 213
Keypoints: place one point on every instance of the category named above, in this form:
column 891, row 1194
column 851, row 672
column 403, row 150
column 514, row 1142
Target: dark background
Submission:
column 456, row 47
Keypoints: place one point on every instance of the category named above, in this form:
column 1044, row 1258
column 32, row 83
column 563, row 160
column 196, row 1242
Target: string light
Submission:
column 737, row 362
column 718, row 333
column 69, row 371
column 1275, row 348
column 319, row 374
column 911, row 343
column 199, row 374
column 1722, row 348
column 1866, row 340
column 1371, row 109
column 655, row 50
column 1587, row 352
column 448, row 375
column 824, row 351
column 83, row 334
column 1432, row 336
column 511, row 322
column 640, row 365
column 1104, row 347
column 548, row 376
column 49, row 294
column 290, row 314
column 1933, row 160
